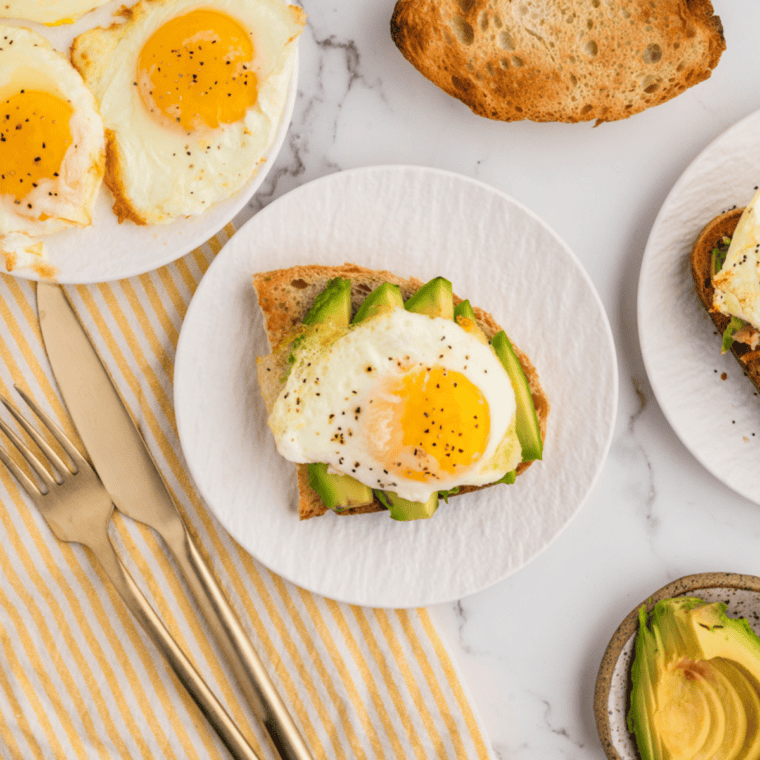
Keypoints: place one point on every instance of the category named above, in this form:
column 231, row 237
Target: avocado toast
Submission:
column 288, row 296
column 706, row 258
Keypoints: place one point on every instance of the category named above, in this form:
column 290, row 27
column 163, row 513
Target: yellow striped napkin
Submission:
column 79, row 679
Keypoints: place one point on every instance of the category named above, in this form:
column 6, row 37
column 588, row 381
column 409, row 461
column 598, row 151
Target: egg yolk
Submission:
column 429, row 423
column 34, row 138
column 195, row 70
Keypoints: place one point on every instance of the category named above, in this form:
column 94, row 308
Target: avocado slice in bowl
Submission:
column 711, row 664
column 691, row 673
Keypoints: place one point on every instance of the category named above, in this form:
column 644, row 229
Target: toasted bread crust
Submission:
column 701, row 261
column 285, row 295
column 571, row 61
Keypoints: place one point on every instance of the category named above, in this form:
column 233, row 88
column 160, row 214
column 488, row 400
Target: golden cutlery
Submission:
column 128, row 472
column 78, row 509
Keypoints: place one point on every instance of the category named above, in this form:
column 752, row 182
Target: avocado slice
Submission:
column 464, row 316
column 746, row 688
column 333, row 305
column 528, row 430
column 464, row 309
column 696, row 679
column 382, row 297
column 338, row 492
column 434, row 298
column 446, row 494
column 509, row 478
column 403, row 509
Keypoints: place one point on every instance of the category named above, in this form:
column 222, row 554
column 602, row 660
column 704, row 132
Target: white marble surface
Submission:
column 529, row 647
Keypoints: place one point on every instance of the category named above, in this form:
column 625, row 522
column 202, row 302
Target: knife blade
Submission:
column 122, row 460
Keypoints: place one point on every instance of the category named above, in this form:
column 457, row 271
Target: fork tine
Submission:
column 52, row 456
column 25, row 451
column 26, row 482
column 74, row 453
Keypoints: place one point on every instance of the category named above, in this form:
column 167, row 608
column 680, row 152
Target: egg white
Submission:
column 328, row 383
column 737, row 284
column 28, row 61
column 162, row 172
column 49, row 12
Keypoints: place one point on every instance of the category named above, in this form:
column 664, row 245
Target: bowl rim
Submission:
column 688, row 584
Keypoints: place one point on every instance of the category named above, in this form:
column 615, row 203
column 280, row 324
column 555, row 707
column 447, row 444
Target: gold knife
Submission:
column 129, row 474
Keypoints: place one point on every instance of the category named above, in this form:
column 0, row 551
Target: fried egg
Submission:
column 50, row 12
column 52, row 148
column 737, row 284
column 402, row 402
column 191, row 94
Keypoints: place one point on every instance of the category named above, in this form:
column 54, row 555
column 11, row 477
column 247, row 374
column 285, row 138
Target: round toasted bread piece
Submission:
column 709, row 238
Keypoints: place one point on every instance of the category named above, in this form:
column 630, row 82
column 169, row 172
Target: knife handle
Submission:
column 249, row 671
column 139, row 606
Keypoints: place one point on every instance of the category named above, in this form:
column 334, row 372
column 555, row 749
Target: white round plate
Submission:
column 712, row 407
column 107, row 250
column 415, row 222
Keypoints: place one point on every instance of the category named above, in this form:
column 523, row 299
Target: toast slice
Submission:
column 285, row 295
column 701, row 262
column 572, row 61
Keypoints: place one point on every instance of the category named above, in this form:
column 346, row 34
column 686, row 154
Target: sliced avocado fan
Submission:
column 696, row 683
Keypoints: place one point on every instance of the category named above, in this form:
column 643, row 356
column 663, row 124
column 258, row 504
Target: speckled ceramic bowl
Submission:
column 741, row 593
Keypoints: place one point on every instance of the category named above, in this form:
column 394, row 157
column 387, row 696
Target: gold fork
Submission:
column 78, row 509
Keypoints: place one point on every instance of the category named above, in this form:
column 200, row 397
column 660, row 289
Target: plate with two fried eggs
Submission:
column 130, row 134
column 417, row 223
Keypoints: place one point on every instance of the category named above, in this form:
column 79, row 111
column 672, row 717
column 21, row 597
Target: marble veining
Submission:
column 649, row 492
